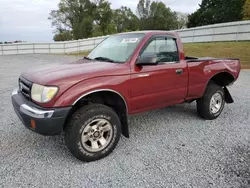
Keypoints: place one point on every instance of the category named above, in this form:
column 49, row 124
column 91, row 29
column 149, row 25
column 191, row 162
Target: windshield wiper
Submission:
column 87, row 58
column 104, row 59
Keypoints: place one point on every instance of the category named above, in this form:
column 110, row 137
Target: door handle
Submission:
column 179, row 71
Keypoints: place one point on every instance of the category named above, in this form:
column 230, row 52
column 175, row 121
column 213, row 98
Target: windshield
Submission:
column 117, row 48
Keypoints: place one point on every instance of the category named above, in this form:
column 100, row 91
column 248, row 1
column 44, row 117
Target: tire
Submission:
column 208, row 106
column 87, row 129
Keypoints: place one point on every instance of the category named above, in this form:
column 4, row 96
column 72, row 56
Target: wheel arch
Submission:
column 108, row 97
column 222, row 79
column 102, row 90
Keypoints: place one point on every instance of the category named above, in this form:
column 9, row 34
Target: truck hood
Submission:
column 71, row 73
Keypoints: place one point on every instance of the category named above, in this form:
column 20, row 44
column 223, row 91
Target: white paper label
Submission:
column 130, row 40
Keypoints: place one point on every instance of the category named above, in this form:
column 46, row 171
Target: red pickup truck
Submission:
column 89, row 100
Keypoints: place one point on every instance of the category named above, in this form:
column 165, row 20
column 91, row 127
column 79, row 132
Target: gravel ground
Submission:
column 170, row 147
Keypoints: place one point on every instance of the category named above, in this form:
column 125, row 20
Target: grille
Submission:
column 25, row 87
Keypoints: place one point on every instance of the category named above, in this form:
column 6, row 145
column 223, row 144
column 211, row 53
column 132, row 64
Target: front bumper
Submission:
column 40, row 120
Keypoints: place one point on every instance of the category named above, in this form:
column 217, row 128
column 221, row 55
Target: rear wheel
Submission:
column 212, row 103
column 93, row 132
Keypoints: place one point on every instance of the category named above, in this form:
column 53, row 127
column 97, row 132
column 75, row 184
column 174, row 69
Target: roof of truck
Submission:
column 150, row 32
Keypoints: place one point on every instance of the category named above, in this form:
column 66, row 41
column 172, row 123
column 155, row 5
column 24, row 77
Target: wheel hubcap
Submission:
column 216, row 103
column 97, row 135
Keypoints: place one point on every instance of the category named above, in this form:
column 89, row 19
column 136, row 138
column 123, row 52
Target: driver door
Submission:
column 154, row 86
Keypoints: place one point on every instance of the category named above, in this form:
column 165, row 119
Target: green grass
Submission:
column 239, row 50
column 84, row 53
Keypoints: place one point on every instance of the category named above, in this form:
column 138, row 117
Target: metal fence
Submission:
column 232, row 31
column 50, row 48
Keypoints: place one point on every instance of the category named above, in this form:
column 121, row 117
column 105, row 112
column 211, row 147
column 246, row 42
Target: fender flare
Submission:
column 124, row 118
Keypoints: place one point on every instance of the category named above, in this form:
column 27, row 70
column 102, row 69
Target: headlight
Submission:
column 43, row 94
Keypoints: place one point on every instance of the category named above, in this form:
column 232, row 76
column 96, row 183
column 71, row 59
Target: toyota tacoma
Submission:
column 89, row 100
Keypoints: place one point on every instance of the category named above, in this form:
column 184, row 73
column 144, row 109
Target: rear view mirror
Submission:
column 147, row 60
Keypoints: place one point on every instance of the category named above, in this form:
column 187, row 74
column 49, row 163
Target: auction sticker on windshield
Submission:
column 130, row 40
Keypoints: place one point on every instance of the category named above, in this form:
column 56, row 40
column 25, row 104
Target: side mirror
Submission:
column 147, row 60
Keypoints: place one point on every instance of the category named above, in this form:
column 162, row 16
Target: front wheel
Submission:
column 93, row 132
column 212, row 103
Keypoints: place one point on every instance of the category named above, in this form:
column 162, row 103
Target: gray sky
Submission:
column 27, row 19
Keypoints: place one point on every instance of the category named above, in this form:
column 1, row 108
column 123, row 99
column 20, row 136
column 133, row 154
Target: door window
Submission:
column 164, row 48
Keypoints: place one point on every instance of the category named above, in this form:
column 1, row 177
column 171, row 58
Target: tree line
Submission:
column 219, row 11
column 77, row 19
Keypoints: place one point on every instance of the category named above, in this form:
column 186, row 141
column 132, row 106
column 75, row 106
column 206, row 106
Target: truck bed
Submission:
column 201, row 70
column 198, row 59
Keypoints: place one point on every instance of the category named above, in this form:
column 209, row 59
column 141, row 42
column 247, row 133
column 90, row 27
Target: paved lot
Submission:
column 171, row 147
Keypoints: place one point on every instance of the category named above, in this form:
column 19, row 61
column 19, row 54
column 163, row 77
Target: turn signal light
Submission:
column 33, row 123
